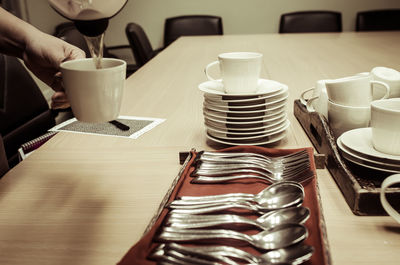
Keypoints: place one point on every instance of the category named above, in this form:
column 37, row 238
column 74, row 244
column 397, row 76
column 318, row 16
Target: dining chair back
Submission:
column 376, row 20
column 24, row 111
column 311, row 21
column 191, row 25
column 140, row 45
column 3, row 159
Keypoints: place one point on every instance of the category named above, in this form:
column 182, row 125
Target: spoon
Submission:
column 267, row 221
column 279, row 195
column 278, row 237
column 295, row 254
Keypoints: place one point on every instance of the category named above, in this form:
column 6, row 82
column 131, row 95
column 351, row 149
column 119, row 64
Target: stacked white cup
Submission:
column 349, row 102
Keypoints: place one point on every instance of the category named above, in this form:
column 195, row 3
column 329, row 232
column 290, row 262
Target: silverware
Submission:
column 278, row 195
column 278, row 237
column 209, row 164
column 213, row 156
column 173, row 254
column 295, row 254
column 267, row 221
column 298, row 177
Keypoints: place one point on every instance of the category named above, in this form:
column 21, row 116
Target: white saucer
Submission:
column 265, row 87
column 244, row 105
column 262, row 141
column 265, row 120
column 284, row 123
column 251, row 113
column 349, row 155
column 246, row 99
column 230, row 116
column 246, row 136
column 359, row 141
column 247, row 109
column 244, row 127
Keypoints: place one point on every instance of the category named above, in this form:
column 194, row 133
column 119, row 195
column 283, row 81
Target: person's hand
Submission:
column 43, row 55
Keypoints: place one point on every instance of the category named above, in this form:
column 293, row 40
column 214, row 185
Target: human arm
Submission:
column 41, row 52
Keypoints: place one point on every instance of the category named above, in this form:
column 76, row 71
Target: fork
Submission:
column 272, row 168
column 249, row 169
column 301, row 177
column 206, row 155
column 253, row 158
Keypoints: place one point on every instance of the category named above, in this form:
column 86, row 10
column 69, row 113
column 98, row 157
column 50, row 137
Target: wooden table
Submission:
column 84, row 199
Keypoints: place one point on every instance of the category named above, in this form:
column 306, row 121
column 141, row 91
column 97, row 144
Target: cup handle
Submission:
column 309, row 106
column 393, row 179
column 207, row 67
column 385, row 85
column 303, row 98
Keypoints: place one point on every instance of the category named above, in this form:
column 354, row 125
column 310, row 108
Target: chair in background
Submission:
column 24, row 112
column 140, row 44
column 191, row 25
column 68, row 32
column 3, row 159
column 310, row 21
column 385, row 19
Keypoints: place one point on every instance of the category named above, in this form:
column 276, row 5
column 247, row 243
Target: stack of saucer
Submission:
column 252, row 119
column 356, row 146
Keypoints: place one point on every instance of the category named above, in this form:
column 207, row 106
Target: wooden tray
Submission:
column 360, row 186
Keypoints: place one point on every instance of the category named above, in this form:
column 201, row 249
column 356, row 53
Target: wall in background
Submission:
column 239, row 16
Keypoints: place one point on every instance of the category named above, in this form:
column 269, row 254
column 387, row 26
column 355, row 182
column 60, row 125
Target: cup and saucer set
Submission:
column 240, row 108
column 363, row 112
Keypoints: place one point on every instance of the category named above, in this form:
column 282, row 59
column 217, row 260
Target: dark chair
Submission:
column 387, row 19
column 191, row 25
column 311, row 21
column 68, row 32
column 24, row 112
column 140, row 44
column 3, row 159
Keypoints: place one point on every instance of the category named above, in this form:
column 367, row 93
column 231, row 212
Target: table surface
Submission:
column 84, row 199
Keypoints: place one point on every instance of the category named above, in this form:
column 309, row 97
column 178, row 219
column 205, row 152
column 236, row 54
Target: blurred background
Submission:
column 239, row 16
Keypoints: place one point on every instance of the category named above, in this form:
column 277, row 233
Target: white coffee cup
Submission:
column 389, row 76
column 385, row 123
column 343, row 118
column 319, row 100
column 240, row 71
column 354, row 90
column 389, row 181
column 95, row 95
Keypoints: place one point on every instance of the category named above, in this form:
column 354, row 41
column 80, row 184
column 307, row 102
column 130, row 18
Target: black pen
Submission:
column 120, row 125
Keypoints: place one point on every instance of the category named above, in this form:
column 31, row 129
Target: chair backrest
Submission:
column 139, row 42
column 311, row 21
column 191, row 25
column 386, row 19
column 3, row 159
column 24, row 112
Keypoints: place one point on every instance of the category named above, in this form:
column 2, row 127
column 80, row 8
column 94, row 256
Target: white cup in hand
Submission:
column 385, row 123
column 240, row 71
column 354, row 90
column 95, row 95
column 389, row 181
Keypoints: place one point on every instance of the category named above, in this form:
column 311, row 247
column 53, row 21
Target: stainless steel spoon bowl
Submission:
column 278, row 237
column 267, row 221
column 279, row 195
